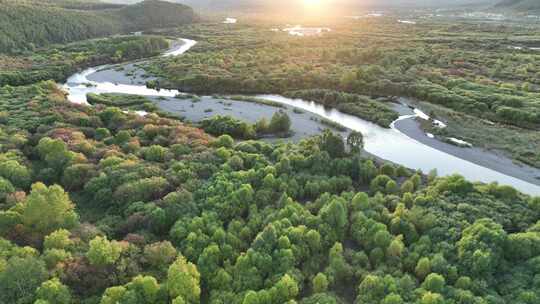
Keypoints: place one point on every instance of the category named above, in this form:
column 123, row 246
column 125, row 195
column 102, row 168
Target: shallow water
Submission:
column 301, row 31
column 229, row 20
column 389, row 144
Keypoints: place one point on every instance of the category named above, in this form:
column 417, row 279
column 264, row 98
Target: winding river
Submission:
column 389, row 144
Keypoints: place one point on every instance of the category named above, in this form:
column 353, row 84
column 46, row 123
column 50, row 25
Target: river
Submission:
column 390, row 144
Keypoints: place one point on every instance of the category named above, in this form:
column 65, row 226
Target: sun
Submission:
column 312, row 3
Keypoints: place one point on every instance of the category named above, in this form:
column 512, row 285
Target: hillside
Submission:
column 28, row 24
column 521, row 5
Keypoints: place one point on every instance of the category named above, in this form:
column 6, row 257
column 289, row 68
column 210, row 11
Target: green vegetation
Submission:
column 520, row 144
column 256, row 100
column 30, row 23
column 471, row 69
column 279, row 125
column 102, row 206
column 58, row 63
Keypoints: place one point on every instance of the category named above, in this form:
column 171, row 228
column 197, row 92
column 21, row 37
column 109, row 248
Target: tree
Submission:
column 396, row 247
column 160, row 254
column 332, row 143
column 183, row 280
column 16, row 173
column 47, row 209
column 53, row 291
column 391, row 187
column 368, row 171
column 113, row 295
column 379, row 184
column 58, row 239
column 480, row 248
column 55, row 153
column 388, row 169
column 334, row 214
column 224, row 141
column 154, row 153
column 371, row 289
column 432, row 298
column 280, row 122
column 423, row 268
column 103, row 252
column 320, row 283
column 355, row 141
column 76, row 176
column 434, row 282
column 6, row 188
column 392, row 299
column 285, row 289
column 20, row 278
column 407, row 187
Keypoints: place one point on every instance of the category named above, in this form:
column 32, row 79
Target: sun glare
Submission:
column 312, row 3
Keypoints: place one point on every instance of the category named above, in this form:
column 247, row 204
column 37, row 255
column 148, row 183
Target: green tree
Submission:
column 480, row 248
column 368, row 171
column 280, row 122
column 20, row 278
column 155, row 153
column 332, row 143
column 434, row 282
column 47, row 209
column 355, row 141
column 103, row 252
column 396, row 247
column 224, row 141
column 160, row 254
column 113, row 295
column 55, row 153
column 285, row 289
column 432, row 298
column 392, row 299
column 371, row 289
column 6, row 188
column 16, row 173
column 59, row 239
column 423, row 268
column 183, row 280
column 320, row 283
column 53, row 291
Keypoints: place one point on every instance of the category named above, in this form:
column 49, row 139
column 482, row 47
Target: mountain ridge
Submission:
column 39, row 23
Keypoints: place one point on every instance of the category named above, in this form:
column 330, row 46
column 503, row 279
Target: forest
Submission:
column 100, row 204
column 59, row 62
column 479, row 72
column 30, row 24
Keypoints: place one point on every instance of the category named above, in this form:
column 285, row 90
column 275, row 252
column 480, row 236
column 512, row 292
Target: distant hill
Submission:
column 25, row 24
column 217, row 5
column 231, row 4
column 520, row 5
column 155, row 14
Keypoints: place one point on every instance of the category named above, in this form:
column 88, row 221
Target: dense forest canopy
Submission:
column 25, row 25
column 103, row 206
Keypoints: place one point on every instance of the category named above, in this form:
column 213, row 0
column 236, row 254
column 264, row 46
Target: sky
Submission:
column 371, row 3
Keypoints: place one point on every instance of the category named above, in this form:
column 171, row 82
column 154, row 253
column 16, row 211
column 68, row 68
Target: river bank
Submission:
column 389, row 144
column 498, row 162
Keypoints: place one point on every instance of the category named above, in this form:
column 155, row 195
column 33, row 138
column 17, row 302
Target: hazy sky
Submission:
column 228, row 3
